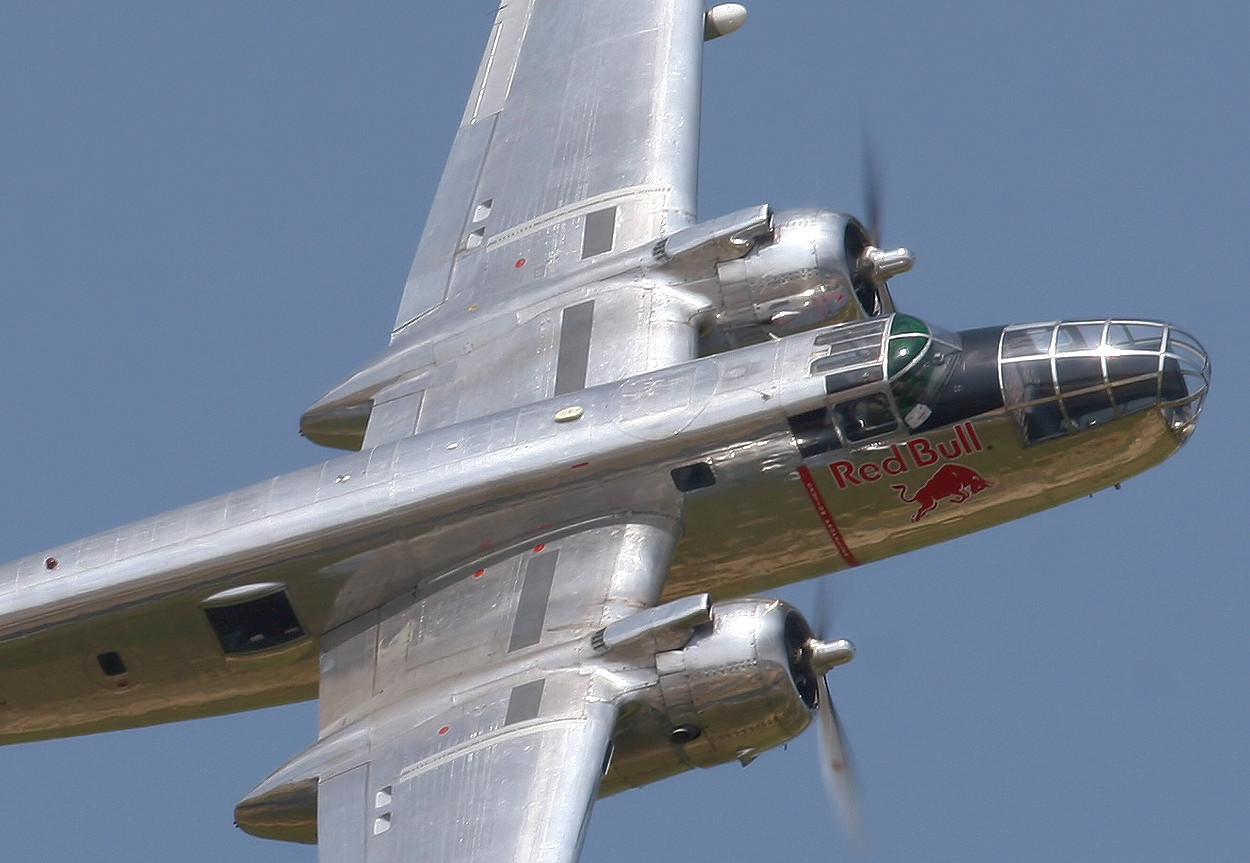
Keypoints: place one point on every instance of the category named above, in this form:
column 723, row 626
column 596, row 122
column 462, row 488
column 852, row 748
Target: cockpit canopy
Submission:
column 882, row 373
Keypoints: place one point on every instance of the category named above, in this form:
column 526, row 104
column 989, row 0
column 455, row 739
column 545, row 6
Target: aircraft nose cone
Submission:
column 1069, row 376
column 1185, row 379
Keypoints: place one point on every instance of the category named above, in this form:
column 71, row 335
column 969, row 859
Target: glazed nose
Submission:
column 1068, row 376
column 1185, row 378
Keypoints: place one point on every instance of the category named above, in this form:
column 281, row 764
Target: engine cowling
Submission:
column 802, row 275
column 742, row 684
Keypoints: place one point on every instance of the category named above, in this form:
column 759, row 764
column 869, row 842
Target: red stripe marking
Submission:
column 822, row 510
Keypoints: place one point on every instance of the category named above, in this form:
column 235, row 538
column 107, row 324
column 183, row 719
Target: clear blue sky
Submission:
column 206, row 215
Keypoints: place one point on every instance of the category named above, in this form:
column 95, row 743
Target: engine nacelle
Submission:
column 800, row 277
column 745, row 679
column 739, row 686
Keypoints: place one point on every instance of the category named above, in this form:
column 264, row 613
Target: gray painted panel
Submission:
column 531, row 610
column 574, row 354
column 599, row 231
column 524, row 702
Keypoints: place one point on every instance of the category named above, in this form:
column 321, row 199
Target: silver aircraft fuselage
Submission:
column 790, row 468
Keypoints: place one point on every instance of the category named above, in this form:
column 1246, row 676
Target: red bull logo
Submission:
column 916, row 454
column 952, row 482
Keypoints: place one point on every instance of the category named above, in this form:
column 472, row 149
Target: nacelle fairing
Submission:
column 741, row 685
column 729, row 282
column 810, row 270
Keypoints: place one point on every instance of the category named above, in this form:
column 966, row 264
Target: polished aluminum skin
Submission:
column 598, row 424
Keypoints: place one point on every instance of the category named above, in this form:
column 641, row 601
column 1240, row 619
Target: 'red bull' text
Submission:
column 915, row 454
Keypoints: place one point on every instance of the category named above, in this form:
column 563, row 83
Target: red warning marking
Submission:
column 822, row 510
column 540, row 546
column 520, row 262
column 479, row 573
column 579, row 464
column 444, row 729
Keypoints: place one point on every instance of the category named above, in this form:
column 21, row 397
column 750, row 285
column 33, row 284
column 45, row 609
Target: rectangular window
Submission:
column 813, row 432
column 111, row 664
column 693, row 476
column 865, row 418
column 255, row 624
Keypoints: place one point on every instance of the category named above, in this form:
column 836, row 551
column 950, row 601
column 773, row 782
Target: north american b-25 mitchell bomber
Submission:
column 600, row 428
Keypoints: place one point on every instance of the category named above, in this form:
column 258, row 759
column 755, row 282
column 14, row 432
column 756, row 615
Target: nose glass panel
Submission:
column 1062, row 377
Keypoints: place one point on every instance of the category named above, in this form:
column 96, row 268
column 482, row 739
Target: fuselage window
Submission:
column 867, row 417
column 813, row 432
column 254, row 624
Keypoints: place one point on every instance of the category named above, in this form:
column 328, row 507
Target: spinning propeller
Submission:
column 874, row 266
column 820, row 656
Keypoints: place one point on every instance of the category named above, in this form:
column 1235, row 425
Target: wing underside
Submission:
column 580, row 137
column 509, row 776
column 460, row 722
column 465, row 721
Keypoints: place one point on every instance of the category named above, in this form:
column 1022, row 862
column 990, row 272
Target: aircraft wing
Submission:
column 512, row 780
column 579, row 143
column 580, row 136
column 464, row 720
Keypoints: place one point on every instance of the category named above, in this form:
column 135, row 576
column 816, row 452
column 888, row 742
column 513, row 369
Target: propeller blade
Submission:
column 824, row 604
column 872, row 191
column 835, row 761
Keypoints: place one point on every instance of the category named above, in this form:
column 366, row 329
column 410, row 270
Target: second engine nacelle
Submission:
column 742, row 684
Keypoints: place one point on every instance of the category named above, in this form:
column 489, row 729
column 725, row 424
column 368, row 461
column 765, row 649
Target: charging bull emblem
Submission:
column 952, row 482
